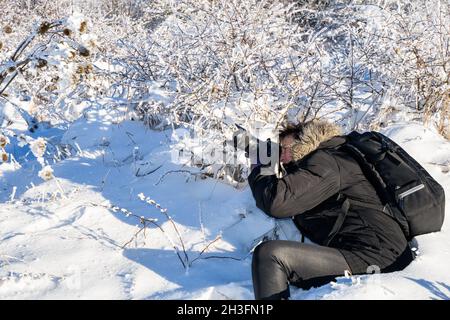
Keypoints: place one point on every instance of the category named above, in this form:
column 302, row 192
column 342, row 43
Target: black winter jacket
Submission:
column 316, row 190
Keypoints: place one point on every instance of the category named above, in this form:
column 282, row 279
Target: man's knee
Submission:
column 266, row 251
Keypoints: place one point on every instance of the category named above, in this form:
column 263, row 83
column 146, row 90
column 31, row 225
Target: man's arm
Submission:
column 316, row 179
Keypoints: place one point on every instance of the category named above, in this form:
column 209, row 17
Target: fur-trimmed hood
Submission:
column 314, row 133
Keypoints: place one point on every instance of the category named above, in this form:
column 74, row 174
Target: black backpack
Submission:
column 408, row 192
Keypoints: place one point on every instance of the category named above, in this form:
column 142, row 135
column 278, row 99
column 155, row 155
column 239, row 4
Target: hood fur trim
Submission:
column 314, row 133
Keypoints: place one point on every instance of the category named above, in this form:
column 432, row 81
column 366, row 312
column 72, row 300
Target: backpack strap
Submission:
column 339, row 221
column 369, row 171
column 389, row 203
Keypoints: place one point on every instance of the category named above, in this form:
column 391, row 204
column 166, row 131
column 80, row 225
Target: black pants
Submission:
column 278, row 263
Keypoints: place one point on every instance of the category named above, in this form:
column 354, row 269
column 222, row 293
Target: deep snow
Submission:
column 70, row 246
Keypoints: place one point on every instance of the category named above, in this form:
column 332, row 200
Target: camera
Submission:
column 259, row 151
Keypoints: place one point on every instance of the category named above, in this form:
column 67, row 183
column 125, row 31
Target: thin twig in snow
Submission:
column 206, row 248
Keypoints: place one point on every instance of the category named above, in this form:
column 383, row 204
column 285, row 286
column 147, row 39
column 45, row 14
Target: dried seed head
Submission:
column 46, row 173
column 51, row 88
column 7, row 29
column 41, row 63
column 67, row 32
column 83, row 26
column 80, row 70
column 83, row 51
column 38, row 147
column 1, row 45
column 44, row 27
column 72, row 55
column 4, row 156
column 4, row 140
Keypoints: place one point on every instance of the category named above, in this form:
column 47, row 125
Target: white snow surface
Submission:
column 72, row 246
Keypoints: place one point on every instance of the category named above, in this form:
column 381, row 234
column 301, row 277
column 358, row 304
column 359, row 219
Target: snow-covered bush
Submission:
column 257, row 63
column 60, row 53
column 234, row 63
column 411, row 45
column 55, row 62
column 50, row 67
column 251, row 64
column 212, row 67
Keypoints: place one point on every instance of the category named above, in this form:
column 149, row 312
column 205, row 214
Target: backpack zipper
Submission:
column 410, row 191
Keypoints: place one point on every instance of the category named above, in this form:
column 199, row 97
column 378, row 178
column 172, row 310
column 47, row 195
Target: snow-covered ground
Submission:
column 74, row 245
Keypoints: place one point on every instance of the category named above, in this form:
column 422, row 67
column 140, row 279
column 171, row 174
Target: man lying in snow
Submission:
column 327, row 192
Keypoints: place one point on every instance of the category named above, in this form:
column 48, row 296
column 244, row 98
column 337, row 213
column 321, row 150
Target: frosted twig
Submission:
column 195, row 174
column 135, row 235
column 169, row 218
column 138, row 174
column 143, row 221
column 206, row 248
column 60, row 188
